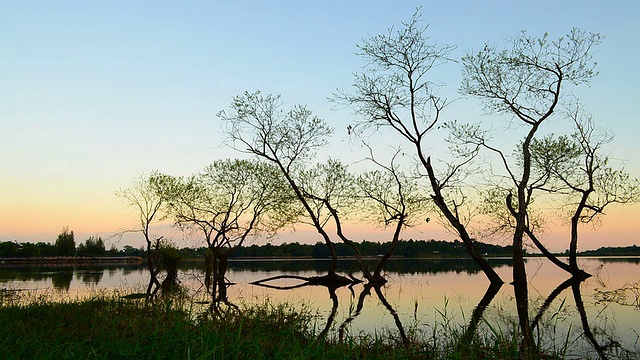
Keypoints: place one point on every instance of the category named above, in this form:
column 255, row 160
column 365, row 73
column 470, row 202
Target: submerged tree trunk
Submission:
column 392, row 248
column 152, row 266
column 208, row 272
column 575, row 222
column 574, row 271
column 170, row 261
column 460, row 228
column 519, row 270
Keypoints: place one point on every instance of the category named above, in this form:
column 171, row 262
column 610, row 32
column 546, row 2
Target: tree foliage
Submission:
column 65, row 244
column 256, row 124
column 93, row 246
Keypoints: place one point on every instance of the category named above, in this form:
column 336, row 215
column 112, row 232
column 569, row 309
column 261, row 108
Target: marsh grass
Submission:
column 107, row 326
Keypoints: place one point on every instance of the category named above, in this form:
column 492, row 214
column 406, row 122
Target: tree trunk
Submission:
column 392, row 248
column 575, row 222
column 363, row 267
column 460, row 228
column 220, row 280
column 208, row 274
column 575, row 272
column 152, row 267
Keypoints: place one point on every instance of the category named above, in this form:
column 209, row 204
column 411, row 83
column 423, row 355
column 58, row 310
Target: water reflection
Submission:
column 477, row 316
column 61, row 280
column 61, row 276
column 597, row 318
column 400, row 266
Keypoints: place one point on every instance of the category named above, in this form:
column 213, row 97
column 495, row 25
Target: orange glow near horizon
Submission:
column 31, row 220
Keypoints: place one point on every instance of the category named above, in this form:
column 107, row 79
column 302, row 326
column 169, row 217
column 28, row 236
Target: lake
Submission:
column 599, row 317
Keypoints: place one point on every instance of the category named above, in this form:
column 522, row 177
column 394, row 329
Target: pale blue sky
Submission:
column 94, row 93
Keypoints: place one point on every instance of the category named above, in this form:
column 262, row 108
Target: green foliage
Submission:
column 257, row 124
column 525, row 79
column 65, row 243
column 9, row 248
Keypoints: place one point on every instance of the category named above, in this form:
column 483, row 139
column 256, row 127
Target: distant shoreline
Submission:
column 70, row 259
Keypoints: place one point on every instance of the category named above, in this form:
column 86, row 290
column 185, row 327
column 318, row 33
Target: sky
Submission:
column 94, row 94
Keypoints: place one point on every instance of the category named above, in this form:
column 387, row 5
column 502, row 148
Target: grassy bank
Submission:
column 108, row 327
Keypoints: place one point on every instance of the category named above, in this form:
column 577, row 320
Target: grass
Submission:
column 110, row 327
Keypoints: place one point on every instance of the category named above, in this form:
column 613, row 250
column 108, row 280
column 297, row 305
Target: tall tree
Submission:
column 585, row 176
column 396, row 92
column 65, row 244
column 93, row 246
column 525, row 81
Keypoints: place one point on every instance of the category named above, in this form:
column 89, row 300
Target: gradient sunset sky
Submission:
column 94, row 94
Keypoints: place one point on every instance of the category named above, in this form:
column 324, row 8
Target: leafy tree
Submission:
column 65, row 244
column 9, row 248
column 230, row 201
column 583, row 175
column 526, row 81
column 28, row 250
column 390, row 196
column 46, row 249
column 331, row 190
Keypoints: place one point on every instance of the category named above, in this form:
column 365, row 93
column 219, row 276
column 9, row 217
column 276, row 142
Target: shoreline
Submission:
column 71, row 259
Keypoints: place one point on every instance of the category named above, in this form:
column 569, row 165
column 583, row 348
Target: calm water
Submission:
column 421, row 294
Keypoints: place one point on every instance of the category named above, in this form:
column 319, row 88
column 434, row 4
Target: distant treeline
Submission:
column 633, row 250
column 405, row 248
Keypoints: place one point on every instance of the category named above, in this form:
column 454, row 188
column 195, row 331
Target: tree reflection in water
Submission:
column 608, row 347
column 309, row 281
column 476, row 317
column 366, row 291
column 61, row 280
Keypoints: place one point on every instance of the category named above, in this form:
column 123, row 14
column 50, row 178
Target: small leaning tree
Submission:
column 142, row 196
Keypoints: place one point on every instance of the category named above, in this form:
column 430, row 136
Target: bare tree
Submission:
column 396, row 92
column 256, row 124
column 142, row 196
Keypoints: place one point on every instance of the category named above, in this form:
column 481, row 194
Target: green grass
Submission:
column 109, row 327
